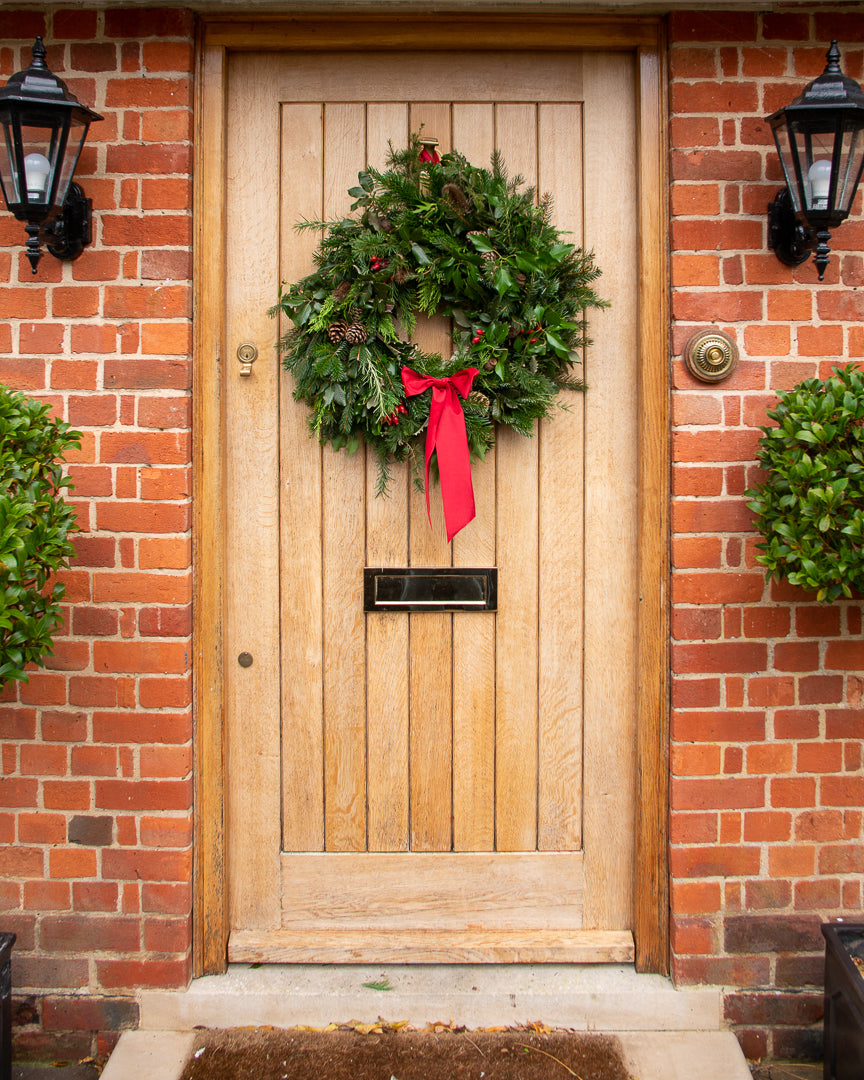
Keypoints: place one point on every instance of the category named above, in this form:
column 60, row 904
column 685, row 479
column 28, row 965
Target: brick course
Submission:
column 746, row 915
column 96, row 829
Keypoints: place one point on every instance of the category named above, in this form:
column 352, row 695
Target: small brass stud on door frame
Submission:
column 710, row 355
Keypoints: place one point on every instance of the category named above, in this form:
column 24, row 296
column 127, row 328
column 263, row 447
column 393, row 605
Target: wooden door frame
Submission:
column 645, row 39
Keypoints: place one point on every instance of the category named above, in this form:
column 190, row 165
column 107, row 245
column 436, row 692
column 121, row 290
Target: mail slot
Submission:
column 430, row 589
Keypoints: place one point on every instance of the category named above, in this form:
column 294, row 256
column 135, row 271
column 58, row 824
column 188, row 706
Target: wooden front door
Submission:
column 430, row 786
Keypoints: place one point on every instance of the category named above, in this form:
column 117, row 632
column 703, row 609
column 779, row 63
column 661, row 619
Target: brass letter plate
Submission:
column 431, row 589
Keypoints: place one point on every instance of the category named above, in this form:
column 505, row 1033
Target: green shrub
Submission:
column 34, row 523
column 810, row 509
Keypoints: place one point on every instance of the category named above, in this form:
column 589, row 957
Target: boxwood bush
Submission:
column 810, row 509
column 34, row 525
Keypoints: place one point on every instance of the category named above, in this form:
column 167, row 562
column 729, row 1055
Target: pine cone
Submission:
column 456, row 196
column 490, row 365
column 355, row 334
column 478, row 399
column 521, row 279
column 336, row 331
column 341, row 291
column 489, row 256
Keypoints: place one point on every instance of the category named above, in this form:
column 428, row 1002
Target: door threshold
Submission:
column 584, row 997
column 470, row 946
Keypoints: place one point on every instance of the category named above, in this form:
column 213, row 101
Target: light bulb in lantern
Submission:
column 819, row 177
column 37, row 168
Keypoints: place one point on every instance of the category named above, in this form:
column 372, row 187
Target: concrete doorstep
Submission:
column 609, row 999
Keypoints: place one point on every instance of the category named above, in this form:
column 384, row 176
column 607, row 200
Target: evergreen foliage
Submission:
column 443, row 238
column 34, row 525
column 810, row 508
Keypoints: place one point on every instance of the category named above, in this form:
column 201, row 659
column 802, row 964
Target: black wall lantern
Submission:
column 43, row 131
column 820, row 140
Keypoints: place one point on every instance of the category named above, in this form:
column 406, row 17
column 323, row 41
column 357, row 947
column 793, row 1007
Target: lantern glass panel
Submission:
column 39, row 148
column 789, row 160
column 849, row 167
column 8, row 172
column 74, row 144
column 814, row 148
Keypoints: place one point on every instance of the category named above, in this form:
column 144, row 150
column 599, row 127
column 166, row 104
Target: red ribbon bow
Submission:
column 447, row 436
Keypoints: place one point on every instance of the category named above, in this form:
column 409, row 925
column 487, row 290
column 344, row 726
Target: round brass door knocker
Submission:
column 710, row 355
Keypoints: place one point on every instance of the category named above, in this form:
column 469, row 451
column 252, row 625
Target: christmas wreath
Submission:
column 429, row 236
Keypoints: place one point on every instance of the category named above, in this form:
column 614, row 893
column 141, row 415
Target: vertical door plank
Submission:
column 431, row 634
column 252, row 498
column 302, row 632
column 611, row 488
column 343, row 538
column 387, row 633
column 517, row 481
column 474, row 632
column 561, row 446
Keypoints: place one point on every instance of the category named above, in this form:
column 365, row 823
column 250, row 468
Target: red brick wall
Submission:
column 767, row 783
column 96, row 788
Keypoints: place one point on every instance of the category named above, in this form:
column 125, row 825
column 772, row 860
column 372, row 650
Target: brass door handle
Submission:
column 247, row 354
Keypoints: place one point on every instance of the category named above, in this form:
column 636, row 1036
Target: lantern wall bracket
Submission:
column 787, row 237
column 68, row 235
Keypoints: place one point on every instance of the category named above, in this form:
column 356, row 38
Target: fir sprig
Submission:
column 450, row 238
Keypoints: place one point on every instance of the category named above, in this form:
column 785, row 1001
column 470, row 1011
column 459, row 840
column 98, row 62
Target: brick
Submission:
column 844, row 723
column 714, row 861
column 147, row 374
column 166, row 898
column 149, row 448
column 842, row 790
column 767, row 826
column 771, row 691
column 164, row 412
column 792, row 861
column 841, row 859
column 46, row 895
column 168, row 728
column 693, row 25
column 142, row 517
column 41, row 828
column 723, row 971
column 141, row 588
column 710, row 516
column 130, row 974
column 57, row 972
column 94, row 1013
column 772, row 933
column 159, row 264
column 165, row 622
column 94, row 895
column 72, row 863
column 719, row 657
column 768, row 895
column 820, row 895
column 142, row 795
column 62, row 933
column 146, row 94
column 796, row 656
column 722, row 726
column 717, row 588
column 147, row 23
column 165, row 693
column 134, row 865
column 796, row 724
column 696, row 624
column 728, row 793
column 795, row 791
column 769, row 758
column 772, row 1008
column 144, row 301
column 845, row 655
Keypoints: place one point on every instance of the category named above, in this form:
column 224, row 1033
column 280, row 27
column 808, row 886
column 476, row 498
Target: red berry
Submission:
column 401, row 408
column 475, row 339
column 531, row 340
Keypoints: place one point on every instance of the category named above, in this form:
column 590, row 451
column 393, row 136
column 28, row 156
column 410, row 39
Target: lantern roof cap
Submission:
column 38, row 85
column 832, row 89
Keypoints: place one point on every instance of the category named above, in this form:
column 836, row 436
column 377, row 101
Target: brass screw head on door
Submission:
column 247, row 354
column 710, row 355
